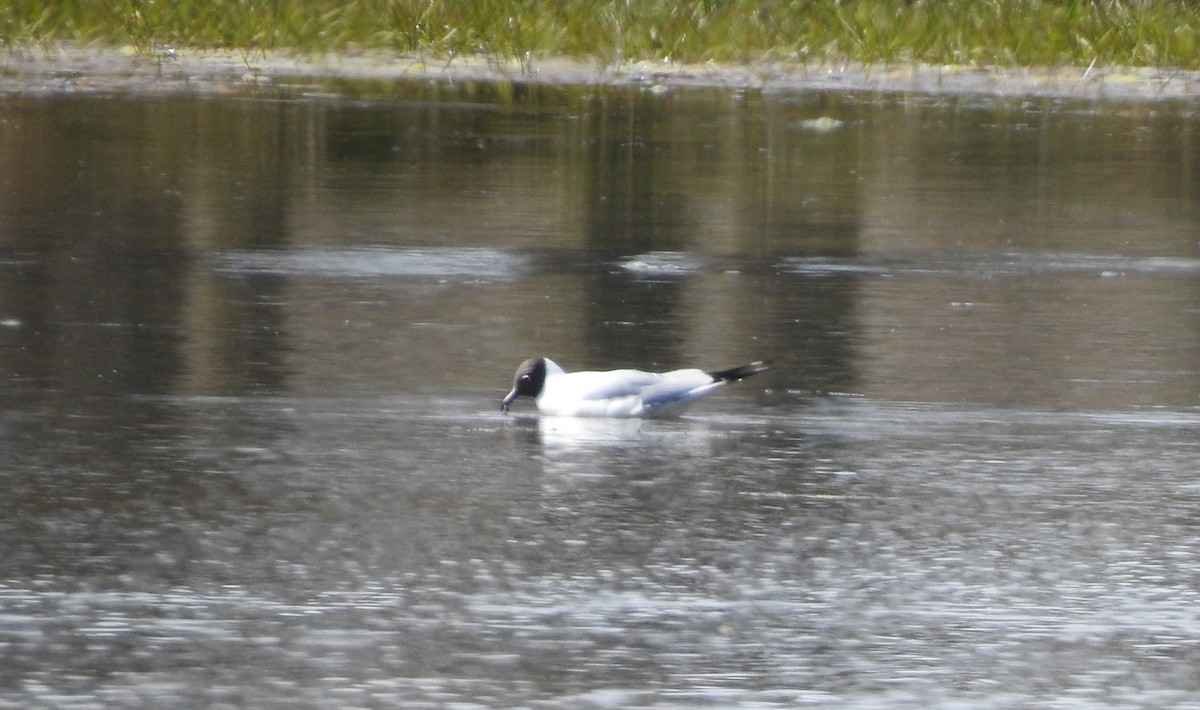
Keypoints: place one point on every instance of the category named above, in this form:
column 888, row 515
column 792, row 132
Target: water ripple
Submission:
column 428, row 262
column 1004, row 264
column 662, row 264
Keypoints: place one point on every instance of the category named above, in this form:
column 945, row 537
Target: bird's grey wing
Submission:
column 612, row 384
column 678, row 388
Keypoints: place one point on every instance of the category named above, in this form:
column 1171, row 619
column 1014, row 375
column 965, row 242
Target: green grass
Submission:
column 1157, row 33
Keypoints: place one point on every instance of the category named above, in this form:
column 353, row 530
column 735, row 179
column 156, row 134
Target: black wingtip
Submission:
column 734, row 374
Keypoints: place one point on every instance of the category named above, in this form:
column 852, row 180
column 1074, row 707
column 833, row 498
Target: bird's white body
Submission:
column 617, row 393
column 621, row 393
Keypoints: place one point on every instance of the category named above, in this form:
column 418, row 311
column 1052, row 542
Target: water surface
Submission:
column 253, row 346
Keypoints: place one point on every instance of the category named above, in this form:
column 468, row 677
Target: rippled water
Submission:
column 253, row 453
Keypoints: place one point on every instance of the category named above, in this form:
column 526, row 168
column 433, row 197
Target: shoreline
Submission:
column 64, row 70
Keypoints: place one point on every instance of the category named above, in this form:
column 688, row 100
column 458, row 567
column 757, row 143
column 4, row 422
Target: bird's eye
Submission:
column 525, row 378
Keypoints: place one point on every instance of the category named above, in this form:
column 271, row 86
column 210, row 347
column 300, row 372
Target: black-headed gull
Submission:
column 617, row 393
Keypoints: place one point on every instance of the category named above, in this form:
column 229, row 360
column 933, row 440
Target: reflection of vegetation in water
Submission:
column 974, row 32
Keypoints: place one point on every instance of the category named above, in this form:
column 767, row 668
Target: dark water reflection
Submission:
column 252, row 349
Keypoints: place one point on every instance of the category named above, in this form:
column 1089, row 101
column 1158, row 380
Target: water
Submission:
column 253, row 347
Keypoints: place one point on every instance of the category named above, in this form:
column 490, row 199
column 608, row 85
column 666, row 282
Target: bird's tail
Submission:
column 739, row 373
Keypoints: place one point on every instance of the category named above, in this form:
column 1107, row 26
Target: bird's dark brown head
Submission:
column 527, row 382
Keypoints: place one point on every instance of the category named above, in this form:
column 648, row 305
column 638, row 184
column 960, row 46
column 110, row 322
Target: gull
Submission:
column 617, row 393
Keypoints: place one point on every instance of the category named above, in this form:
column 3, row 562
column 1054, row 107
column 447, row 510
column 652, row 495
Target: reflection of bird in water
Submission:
column 617, row 393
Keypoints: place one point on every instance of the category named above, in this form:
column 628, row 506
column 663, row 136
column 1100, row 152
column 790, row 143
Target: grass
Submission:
column 1155, row 33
